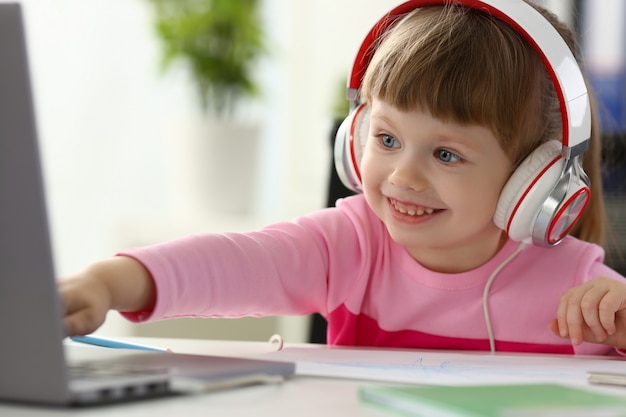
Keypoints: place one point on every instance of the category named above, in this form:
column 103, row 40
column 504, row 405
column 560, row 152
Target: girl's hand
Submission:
column 118, row 283
column 593, row 312
column 86, row 301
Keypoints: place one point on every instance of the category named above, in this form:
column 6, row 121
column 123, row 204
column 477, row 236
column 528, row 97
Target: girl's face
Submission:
column 435, row 185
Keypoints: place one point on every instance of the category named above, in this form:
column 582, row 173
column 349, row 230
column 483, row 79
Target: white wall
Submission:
column 107, row 116
column 109, row 120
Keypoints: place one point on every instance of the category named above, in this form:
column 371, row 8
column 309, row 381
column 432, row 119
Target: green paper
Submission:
column 518, row 400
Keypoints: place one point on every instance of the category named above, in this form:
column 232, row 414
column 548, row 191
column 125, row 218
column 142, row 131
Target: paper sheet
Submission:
column 445, row 367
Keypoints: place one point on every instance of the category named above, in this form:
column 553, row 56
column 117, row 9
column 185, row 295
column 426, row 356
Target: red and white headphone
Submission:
column 549, row 191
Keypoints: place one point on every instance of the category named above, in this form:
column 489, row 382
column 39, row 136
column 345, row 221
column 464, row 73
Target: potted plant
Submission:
column 220, row 41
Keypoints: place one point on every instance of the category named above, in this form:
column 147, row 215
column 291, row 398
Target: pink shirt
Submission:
column 342, row 263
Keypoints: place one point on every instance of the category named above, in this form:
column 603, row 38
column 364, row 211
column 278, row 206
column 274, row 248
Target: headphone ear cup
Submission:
column 527, row 189
column 349, row 146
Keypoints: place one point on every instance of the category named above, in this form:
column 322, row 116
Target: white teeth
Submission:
column 418, row 212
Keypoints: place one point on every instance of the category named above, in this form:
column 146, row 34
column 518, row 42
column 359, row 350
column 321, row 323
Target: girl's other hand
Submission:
column 593, row 312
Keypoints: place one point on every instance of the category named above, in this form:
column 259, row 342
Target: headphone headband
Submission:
column 559, row 61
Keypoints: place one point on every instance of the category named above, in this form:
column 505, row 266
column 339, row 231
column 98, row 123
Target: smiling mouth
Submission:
column 410, row 210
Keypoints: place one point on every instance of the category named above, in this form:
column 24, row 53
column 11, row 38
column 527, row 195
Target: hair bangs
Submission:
column 460, row 65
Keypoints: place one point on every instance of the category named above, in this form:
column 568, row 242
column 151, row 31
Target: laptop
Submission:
column 36, row 366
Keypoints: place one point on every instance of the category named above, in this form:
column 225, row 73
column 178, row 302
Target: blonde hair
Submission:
column 466, row 66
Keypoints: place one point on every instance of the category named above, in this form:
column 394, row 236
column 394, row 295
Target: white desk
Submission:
column 315, row 396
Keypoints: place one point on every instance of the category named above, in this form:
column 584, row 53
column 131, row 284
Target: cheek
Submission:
column 369, row 171
column 489, row 194
column 372, row 177
column 472, row 196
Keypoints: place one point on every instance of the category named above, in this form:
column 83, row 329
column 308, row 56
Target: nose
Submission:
column 409, row 174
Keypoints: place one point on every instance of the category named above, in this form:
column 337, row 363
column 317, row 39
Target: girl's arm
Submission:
column 120, row 283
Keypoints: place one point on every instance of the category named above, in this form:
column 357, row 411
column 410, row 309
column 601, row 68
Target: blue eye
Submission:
column 446, row 156
column 389, row 141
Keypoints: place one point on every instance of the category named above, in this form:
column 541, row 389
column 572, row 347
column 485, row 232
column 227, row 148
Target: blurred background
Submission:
column 131, row 157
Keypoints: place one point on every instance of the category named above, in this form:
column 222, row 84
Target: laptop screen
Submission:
column 31, row 352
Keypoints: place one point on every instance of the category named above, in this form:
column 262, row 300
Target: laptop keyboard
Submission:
column 106, row 370
column 105, row 382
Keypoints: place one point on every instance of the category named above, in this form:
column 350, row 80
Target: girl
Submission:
column 456, row 100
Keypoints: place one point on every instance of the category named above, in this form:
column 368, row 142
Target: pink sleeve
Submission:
column 280, row 269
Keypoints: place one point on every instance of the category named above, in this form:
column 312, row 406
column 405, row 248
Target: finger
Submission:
column 70, row 300
column 569, row 316
column 81, row 322
column 590, row 310
column 619, row 337
column 609, row 305
column 574, row 318
column 553, row 325
column 561, row 316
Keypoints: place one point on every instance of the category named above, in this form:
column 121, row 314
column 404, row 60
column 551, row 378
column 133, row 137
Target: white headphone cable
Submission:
column 492, row 342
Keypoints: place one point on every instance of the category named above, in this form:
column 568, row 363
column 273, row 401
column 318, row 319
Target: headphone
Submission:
column 548, row 192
